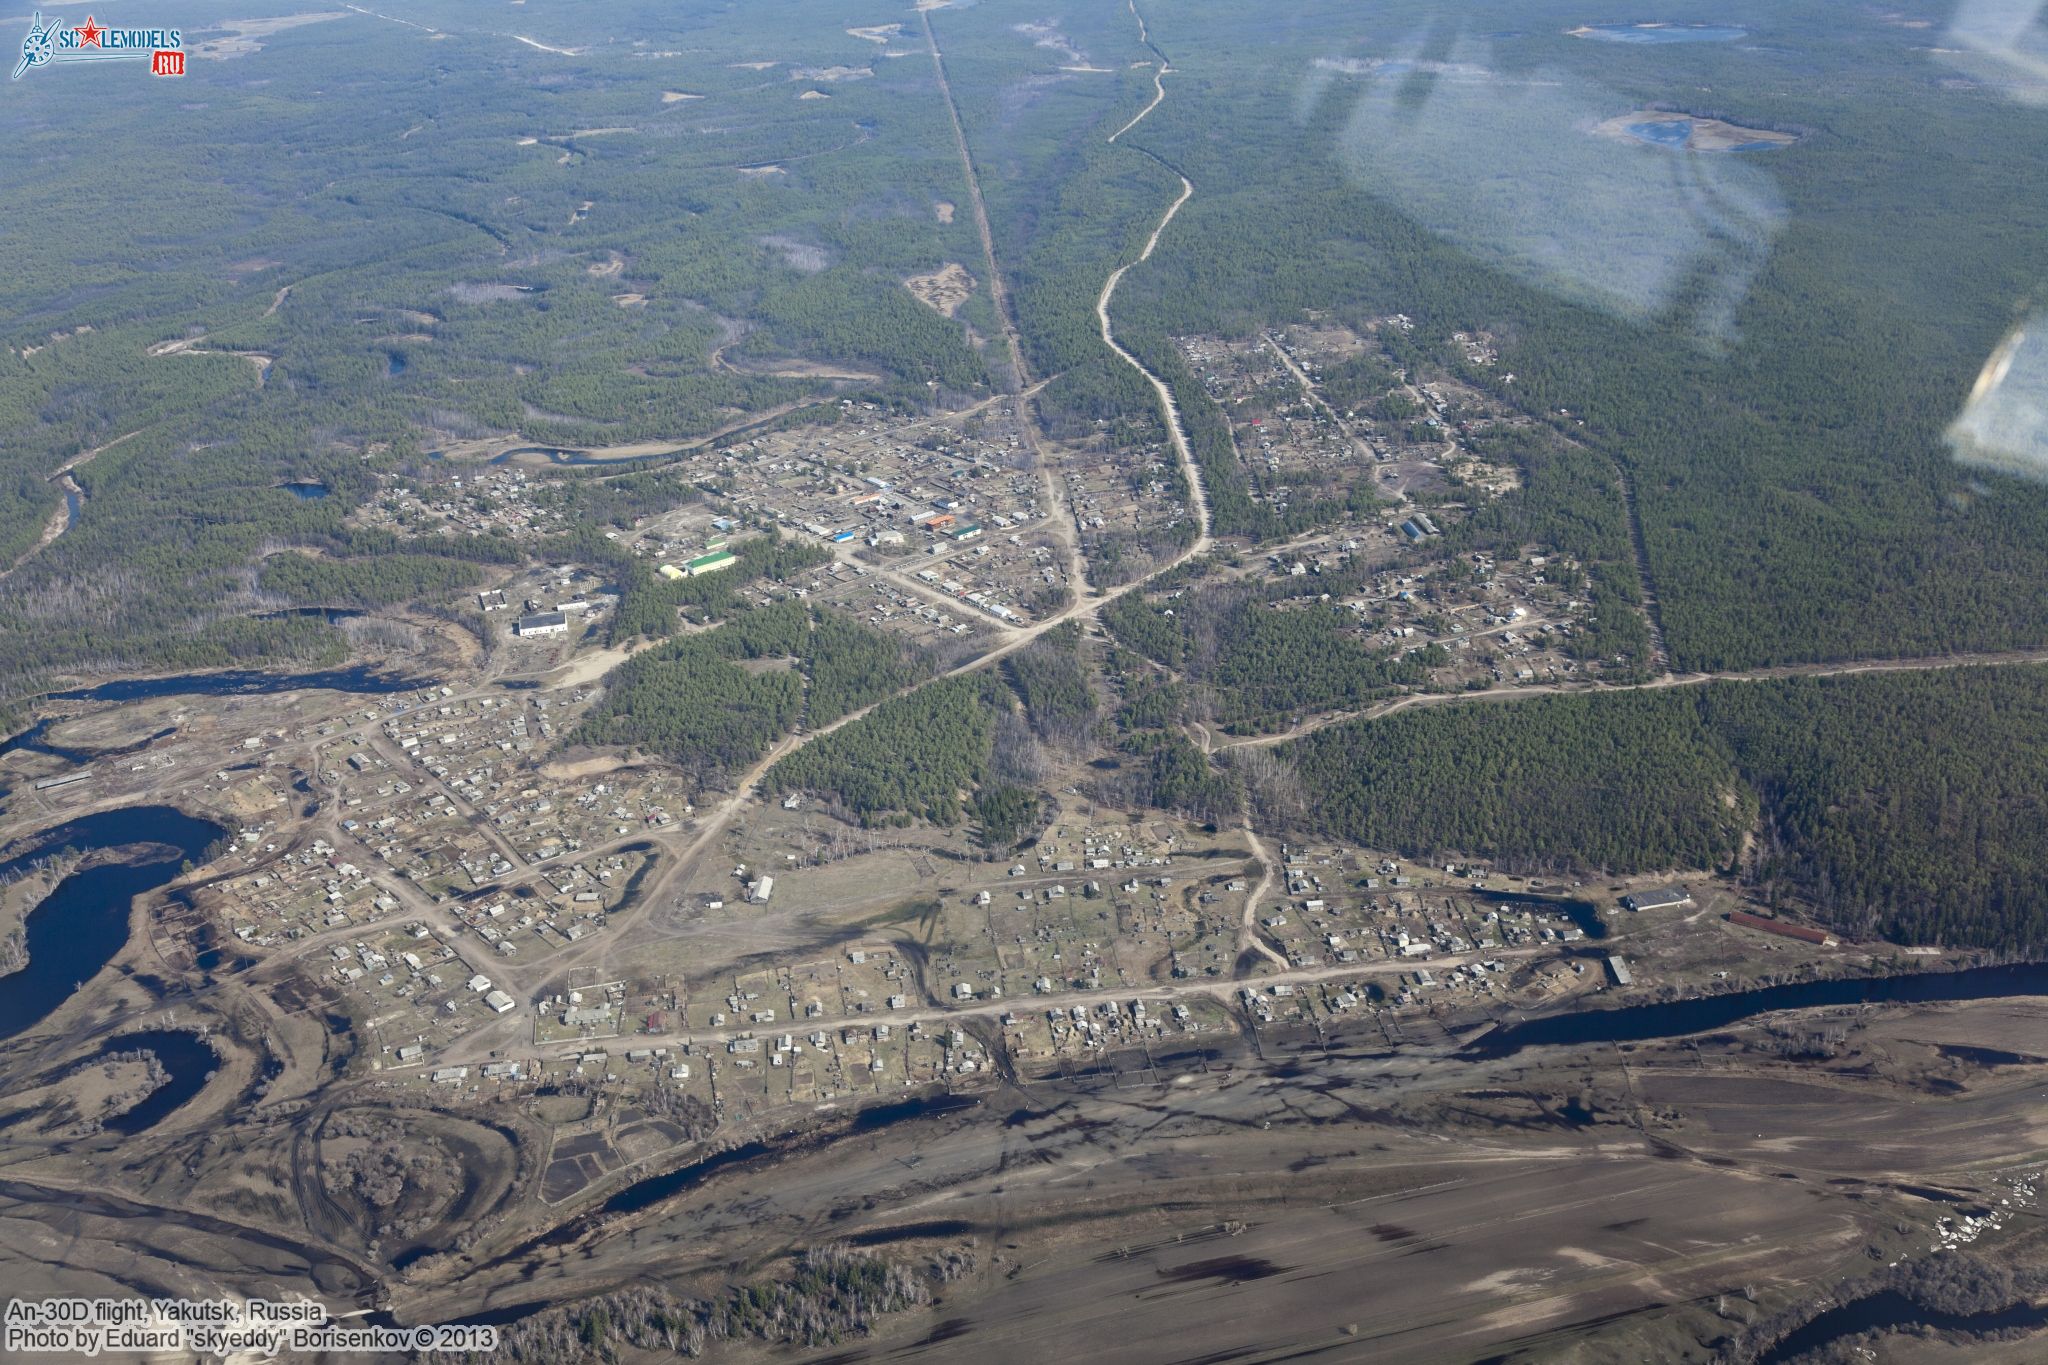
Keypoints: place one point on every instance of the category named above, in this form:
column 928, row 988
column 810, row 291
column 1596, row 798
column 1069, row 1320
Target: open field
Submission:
column 944, row 290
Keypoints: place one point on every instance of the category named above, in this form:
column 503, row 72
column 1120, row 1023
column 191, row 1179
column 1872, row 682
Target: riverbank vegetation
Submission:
column 826, row 1295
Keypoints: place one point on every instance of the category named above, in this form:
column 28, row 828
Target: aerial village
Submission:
column 499, row 920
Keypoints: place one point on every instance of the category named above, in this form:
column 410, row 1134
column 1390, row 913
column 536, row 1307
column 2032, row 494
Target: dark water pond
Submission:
column 78, row 927
column 308, row 489
column 1662, row 132
column 656, row 1188
column 642, row 1193
column 1676, row 134
column 240, row 682
column 189, row 1060
column 1985, row 1056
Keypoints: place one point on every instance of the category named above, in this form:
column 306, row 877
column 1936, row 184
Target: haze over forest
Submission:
column 1162, row 680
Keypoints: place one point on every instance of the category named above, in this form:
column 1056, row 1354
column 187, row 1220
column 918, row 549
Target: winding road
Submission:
column 1197, row 493
column 1248, row 933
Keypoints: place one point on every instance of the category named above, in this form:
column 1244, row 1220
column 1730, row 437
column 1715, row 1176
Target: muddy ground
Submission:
column 1269, row 1198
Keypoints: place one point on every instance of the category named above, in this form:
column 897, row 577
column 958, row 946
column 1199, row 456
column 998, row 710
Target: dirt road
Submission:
column 999, row 299
column 1524, row 691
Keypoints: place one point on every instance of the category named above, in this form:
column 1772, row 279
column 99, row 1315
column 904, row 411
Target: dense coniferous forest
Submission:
column 1787, row 449
column 1778, row 386
column 851, row 665
column 1004, row 814
column 1051, row 679
column 917, row 754
column 1625, row 782
column 402, row 293
column 692, row 705
column 1174, row 775
column 1912, row 805
column 1902, row 804
column 1742, row 367
column 1256, row 666
column 697, row 702
column 378, row 581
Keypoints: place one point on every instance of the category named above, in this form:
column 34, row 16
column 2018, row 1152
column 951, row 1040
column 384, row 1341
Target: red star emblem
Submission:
column 89, row 33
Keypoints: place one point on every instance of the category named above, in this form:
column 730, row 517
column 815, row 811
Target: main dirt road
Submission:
column 1526, row 691
column 999, row 299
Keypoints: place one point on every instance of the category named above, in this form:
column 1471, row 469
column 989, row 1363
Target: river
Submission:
column 1640, row 1023
column 242, row 682
column 32, row 741
column 1890, row 1310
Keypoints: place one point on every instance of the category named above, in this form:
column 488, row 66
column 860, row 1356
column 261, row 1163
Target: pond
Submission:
column 643, row 1193
column 1662, row 132
column 186, row 1057
column 1693, row 132
column 874, row 1118
column 79, row 926
column 307, row 490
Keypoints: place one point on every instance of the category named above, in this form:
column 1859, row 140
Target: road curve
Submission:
column 1248, row 935
column 1197, row 494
